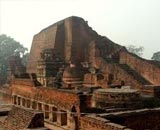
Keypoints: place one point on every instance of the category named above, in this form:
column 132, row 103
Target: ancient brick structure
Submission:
column 113, row 61
column 15, row 67
column 143, row 119
column 48, row 66
column 51, row 101
column 76, row 78
column 137, row 119
column 148, row 69
column 19, row 119
column 116, row 97
column 97, row 123
column 69, row 112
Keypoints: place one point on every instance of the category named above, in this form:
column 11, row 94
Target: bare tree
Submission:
column 136, row 50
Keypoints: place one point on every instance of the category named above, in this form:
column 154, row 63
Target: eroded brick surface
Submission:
column 20, row 118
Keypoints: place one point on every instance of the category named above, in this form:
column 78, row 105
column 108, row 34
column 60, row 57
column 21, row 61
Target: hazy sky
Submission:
column 123, row 21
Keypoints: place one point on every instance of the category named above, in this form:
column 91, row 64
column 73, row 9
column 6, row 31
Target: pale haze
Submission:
column 125, row 22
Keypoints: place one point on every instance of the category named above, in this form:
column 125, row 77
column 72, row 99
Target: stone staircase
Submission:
column 134, row 74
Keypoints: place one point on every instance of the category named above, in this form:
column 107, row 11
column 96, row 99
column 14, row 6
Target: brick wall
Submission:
column 118, row 73
column 60, row 98
column 5, row 95
column 19, row 118
column 97, row 123
column 122, row 75
column 138, row 120
column 43, row 40
column 146, row 120
column 71, row 38
column 144, row 67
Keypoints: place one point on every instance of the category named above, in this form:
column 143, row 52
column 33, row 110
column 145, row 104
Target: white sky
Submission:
column 123, row 21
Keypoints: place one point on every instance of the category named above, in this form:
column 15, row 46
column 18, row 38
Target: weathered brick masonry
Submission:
column 20, row 118
column 60, row 98
column 137, row 120
column 120, row 74
column 68, row 62
column 97, row 123
column 148, row 69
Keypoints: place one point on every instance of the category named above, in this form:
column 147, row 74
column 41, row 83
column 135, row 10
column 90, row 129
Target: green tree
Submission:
column 136, row 50
column 9, row 47
column 156, row 56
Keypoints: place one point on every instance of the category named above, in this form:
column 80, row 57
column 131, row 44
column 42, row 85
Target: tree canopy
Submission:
column 156, row 56
column 9, row 47
column 138, row 50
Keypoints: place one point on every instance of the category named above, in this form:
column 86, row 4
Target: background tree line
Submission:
column 138, row 50
column 10, row 47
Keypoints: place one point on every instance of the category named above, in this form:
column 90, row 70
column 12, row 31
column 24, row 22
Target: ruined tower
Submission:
column 72, row 39
column 77, row 44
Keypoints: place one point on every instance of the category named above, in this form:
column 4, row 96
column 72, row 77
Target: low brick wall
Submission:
column 143, row 119
column 97, row 123
column 23, row 82
column 60, row 98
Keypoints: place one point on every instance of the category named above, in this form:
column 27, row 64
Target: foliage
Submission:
column 9, row 47
column 25, row 58
column 156, row 56
column 136, row 50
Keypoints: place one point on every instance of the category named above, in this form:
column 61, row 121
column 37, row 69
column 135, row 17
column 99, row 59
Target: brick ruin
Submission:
column 19, row 118
column 80, row 80
column 144, row 119
column 111, row 60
